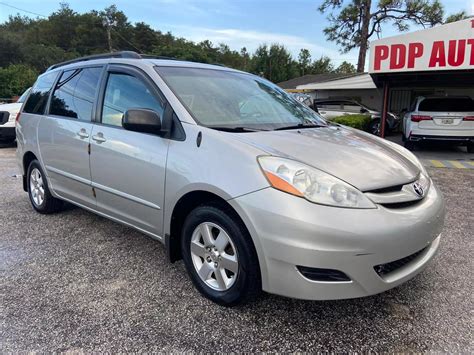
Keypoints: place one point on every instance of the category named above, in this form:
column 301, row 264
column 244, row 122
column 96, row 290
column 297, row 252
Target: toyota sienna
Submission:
column 252, row 189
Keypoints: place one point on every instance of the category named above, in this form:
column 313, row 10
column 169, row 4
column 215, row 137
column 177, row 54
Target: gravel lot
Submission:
column 78, row 282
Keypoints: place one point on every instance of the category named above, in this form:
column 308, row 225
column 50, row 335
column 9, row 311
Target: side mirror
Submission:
column 363, row 110
column 4, row 116
column 142, row 120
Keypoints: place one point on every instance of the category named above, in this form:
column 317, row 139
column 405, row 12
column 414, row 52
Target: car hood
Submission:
column 362, row 160
column 12, row 108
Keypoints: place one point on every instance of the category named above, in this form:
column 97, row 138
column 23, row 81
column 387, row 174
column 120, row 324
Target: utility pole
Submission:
column 108, row 23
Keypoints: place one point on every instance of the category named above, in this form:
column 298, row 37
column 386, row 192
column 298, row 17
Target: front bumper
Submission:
column 290, row 232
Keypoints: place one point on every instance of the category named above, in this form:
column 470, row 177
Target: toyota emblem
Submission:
column 418, row 189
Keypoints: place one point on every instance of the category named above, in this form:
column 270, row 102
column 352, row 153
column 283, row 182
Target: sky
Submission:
column 238, row 23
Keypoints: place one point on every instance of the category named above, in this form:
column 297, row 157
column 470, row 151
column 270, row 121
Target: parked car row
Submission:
column 252, row 189
column 434, row 118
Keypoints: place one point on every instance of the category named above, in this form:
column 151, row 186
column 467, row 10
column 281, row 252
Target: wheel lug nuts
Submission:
column 215, row 264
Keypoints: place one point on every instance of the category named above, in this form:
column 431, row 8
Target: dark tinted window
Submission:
column 123, row 92
column 74, row 93
column 330, row 105
column 39, row 94
column 447, row 105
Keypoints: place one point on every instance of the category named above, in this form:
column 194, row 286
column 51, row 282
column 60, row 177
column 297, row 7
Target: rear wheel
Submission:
column 38, row 190
column 219, row 255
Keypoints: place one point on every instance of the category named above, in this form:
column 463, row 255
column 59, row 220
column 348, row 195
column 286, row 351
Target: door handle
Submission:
column 99, row 138
column 83, row 134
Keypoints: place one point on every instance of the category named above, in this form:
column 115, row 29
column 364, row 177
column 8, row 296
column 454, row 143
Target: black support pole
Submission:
column 383, row 121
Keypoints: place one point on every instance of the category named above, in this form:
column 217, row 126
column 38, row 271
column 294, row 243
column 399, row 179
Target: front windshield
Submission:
column 24, row 96
column 219, row 98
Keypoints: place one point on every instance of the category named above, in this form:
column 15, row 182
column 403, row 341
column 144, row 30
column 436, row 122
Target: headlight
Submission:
column 310, row 183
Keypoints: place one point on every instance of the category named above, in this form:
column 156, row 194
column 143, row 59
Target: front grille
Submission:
column 384, row 190
column 327, row 275
column 385, row 269
column 401, row 204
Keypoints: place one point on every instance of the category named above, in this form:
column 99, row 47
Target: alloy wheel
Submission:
column 37, row 187
column 214, row 256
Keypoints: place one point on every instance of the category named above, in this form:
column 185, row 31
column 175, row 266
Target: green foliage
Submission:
column 37, row 43
column 345, row 68
column 456, row 17
column 15, row 79
column 304, row 60
column 321, row 65
column 356, row 121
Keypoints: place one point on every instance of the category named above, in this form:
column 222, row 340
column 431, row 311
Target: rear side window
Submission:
column 123, row 92
column 447, row 105
column 330, row 105
column 38, row 98
column 75, row 92
column 351, row 107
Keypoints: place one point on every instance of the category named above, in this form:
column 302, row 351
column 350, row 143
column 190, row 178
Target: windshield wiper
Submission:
column 300, row 125
column 236, row 129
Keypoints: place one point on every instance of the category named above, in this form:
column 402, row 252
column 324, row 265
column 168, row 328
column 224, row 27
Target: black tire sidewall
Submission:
column 245, row 283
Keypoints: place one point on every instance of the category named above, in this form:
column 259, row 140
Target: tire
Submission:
column 374, row 127
column 38, row 190
column 470, row 148
column 221, row 245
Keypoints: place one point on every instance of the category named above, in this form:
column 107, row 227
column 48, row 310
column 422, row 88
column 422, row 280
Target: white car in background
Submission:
column 8, row 114
column 332, row 108
column 440, row 118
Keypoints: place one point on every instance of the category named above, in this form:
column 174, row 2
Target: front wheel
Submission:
column 38, row 190
column 374, row 127
column 219, row 255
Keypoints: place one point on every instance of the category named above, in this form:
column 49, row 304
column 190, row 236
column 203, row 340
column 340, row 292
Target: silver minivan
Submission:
column 252, row 189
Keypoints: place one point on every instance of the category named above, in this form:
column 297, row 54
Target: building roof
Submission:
column 311, row 79
column 355, row 81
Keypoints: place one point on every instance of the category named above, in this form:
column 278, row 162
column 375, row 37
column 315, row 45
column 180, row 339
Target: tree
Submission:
column 321, row 65
column 15, row 79
column 345, row 68
column 456, row 17
column 304, row 60
column 357, row 21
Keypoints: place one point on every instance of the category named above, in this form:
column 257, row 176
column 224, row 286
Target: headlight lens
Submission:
column 312, row 184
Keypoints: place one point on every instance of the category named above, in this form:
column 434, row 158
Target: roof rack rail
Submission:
column 151, row 56
column 122, row 54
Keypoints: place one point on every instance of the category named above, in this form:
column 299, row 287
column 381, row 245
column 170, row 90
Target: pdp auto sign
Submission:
column 446, row 47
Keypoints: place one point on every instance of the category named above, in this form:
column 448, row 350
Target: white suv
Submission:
column 8, row 113
column 440, row 118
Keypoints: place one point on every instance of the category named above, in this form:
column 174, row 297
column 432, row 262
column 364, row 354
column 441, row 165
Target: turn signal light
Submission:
column 418, row 118
column 469, row 118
